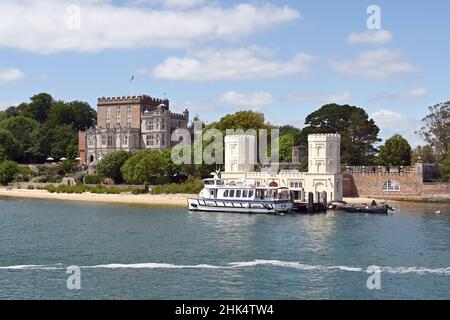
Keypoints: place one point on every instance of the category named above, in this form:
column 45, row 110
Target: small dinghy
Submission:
column 384, row 208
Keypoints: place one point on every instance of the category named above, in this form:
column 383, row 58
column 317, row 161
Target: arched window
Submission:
column 391, row 186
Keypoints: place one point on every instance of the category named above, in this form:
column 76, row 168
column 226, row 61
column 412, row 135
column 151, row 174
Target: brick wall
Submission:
column 370, row 185
column 82, row 146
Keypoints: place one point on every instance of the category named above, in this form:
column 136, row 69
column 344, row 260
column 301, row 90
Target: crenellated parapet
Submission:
column 131, row 100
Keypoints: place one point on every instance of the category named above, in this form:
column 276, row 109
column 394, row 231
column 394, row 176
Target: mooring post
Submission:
column 325, row 202
column 310, row 202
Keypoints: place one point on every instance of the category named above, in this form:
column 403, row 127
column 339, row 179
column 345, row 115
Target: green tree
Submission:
column 436, row 128
column 39, row 107
column 8, row 171
column 22, row 128
column 425, row 154
column 445, row 167
column 145, row 166
column 10, row 148
column 296, row 133
column 286, row 144
column 395, row 152
column 359, row 134
column 110, row 165
column 63, row 139
column 244, row 120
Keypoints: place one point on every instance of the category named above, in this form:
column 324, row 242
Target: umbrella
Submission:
column 63, row 159
column 78, row 158
column 50, row 159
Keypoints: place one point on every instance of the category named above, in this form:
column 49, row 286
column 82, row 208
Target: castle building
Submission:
column 323, row 167
column 129, row 124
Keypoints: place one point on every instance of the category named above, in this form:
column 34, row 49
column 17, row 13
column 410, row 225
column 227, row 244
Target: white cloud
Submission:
column 172, row 4
column 254, row 99
column 9, row 75
column 392, row 122
column 372, row 37
column 378, row 64
column 48, row 27
column 333, row 98
column 230, row 64
column 404, row 95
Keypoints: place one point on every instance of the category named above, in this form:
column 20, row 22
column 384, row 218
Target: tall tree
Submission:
column 395, row 152
column 10, row 148
column 296, row 133
column 436, row 128
column 359, row 134
column 424, row 154
column 110, row 165
column 39, row 107
column 286, row 144
column 144, row 167
column 22, row 128
column 445, row 166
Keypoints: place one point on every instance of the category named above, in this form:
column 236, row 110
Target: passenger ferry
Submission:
column 242, row 197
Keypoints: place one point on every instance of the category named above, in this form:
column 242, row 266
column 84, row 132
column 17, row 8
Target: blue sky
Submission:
column 284, row 58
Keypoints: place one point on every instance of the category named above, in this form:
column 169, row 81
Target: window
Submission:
column 91, row 140
column 250, row 194
column 103, row 139
column 125, row 140
column 150, row 140
column 110, row 141
column 157, row 124
column 117, row 115
column 231, row 193
column 238, row 193
column 163, row 126
column 163, row 141
column 295, row 184
column 391, row 186
column 225, row 194
column 244, row 194
column 129, row 115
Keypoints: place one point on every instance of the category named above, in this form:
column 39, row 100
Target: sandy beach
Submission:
column 175, row 200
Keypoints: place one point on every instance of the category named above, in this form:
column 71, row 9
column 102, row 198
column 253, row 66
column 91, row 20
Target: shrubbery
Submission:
column 8, row 171
column 191, row 186
column 99, row 189
column 92, row 179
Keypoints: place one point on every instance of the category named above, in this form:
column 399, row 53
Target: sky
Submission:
column 283, row 58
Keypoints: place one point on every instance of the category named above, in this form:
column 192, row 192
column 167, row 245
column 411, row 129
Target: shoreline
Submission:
column 172, row 200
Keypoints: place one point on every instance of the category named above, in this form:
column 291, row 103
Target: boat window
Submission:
column 225, row 194
column 238, row 193
column 244, row 194
column 220, row 182
column 231, row 193
column 209, row 182
column 250, row 194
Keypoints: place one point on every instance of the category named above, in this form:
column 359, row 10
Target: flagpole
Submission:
column 132, row 85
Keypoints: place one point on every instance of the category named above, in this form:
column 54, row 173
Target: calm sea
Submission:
column 127, row 252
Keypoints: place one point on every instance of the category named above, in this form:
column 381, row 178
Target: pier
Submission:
column 311, row 207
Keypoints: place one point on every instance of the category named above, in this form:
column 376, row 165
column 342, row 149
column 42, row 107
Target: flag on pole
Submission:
column 132, row 78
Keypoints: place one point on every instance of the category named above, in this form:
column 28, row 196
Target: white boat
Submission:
column 243, row 197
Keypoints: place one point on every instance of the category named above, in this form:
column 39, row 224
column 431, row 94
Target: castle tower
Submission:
column 240, row 153
column 324, row 153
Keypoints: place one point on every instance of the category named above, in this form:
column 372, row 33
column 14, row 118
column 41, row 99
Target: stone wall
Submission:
column 412, row 187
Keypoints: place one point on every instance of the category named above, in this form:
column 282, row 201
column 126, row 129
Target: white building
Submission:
column 323, row 170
